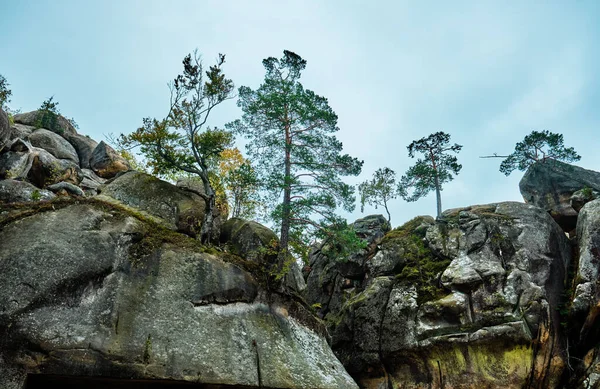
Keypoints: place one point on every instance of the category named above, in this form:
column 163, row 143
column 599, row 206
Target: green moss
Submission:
column 422, row 268
column 147, row 350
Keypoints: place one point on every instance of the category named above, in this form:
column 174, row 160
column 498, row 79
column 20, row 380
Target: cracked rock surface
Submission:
column 88, row 289
column 468, row 301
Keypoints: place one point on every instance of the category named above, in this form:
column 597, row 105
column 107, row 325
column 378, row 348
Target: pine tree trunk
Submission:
column 438, row 195
column 286, row 211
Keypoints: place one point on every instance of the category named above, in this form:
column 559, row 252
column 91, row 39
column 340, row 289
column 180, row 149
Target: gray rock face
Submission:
column 67, row 188
column 12, row 191
column 4, row 129
column 84, row 146
column 60, row 124
column 14, row 164
column 54, row 144
column 552, row 184
column 47, row 170
column 106, row 162
column 181, row 210
column 95, row 295
column 20, row 131
column 473, row 292
column 250, row 240
column 371, row 228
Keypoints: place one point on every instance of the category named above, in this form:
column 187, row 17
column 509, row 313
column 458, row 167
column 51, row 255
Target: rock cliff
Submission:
column 101, row 277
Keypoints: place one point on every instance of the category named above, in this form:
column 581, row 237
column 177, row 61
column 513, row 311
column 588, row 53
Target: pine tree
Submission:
column 298, row 159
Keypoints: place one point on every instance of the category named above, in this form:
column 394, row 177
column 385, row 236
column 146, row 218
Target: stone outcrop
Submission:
column 106, row 162
column 48, row 156
column 84, row 146
column 561, row 189
column 12, row 191
column 471, row 300
column 181, row 210
column 54, row 144
column 50, row 121
column 250, row 240
column 101, row 292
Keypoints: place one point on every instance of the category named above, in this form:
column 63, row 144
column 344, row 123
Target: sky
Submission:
column 488, row 73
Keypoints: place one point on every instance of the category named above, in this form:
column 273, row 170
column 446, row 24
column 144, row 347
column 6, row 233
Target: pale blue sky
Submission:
column 394, row 71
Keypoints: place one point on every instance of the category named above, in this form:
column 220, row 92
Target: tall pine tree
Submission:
column 298, row 159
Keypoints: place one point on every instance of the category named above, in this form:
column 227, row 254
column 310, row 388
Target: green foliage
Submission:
column 379, row 190
column 290, row 131
column 36, row 195
column 181, row 142
column 5, row 92
column 435, row 169
column 587, row 192
column 47, row 116
column 242, row 184
column 539, row 146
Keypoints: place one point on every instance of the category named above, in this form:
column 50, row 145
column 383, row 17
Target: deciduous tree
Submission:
column 181, row 142
column 379, row 190
column 433, row 170
column 240, row 182
column 298, row 159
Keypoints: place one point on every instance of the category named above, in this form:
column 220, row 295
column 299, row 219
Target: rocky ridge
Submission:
column 100, row 276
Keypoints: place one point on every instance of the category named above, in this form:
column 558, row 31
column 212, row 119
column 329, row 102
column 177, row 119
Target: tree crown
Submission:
column 538, row 146
column 433, row 170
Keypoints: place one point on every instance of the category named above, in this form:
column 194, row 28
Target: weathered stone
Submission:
column 91, row 183
column 84, row 146
column 54, row 144
column 55, row 123
column 586, row 300
column 12, row 191
column 47, row 170
column 181, row 210
column 66, row 187
column 21, row 146
column 20, row 131
column 4, row 129
column 469, row 295
column 550, row 186
column 98, row 294
column 294, row 280
column 250, row 240
column 106, row 162
column 371, row 228
column 14, row 164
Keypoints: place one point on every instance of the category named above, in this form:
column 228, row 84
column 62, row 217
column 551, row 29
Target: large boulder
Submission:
column 12, row 191
column 4, row 129
column 45, row 169
column 48, row 120
column 38, row 166
column 84, row 146
column 89, row 290
column 470, row 300
column 54, row 144
column 181, row 210
column 21, row 131
column 250, row 240
column 106, row 162
column 551, row 185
